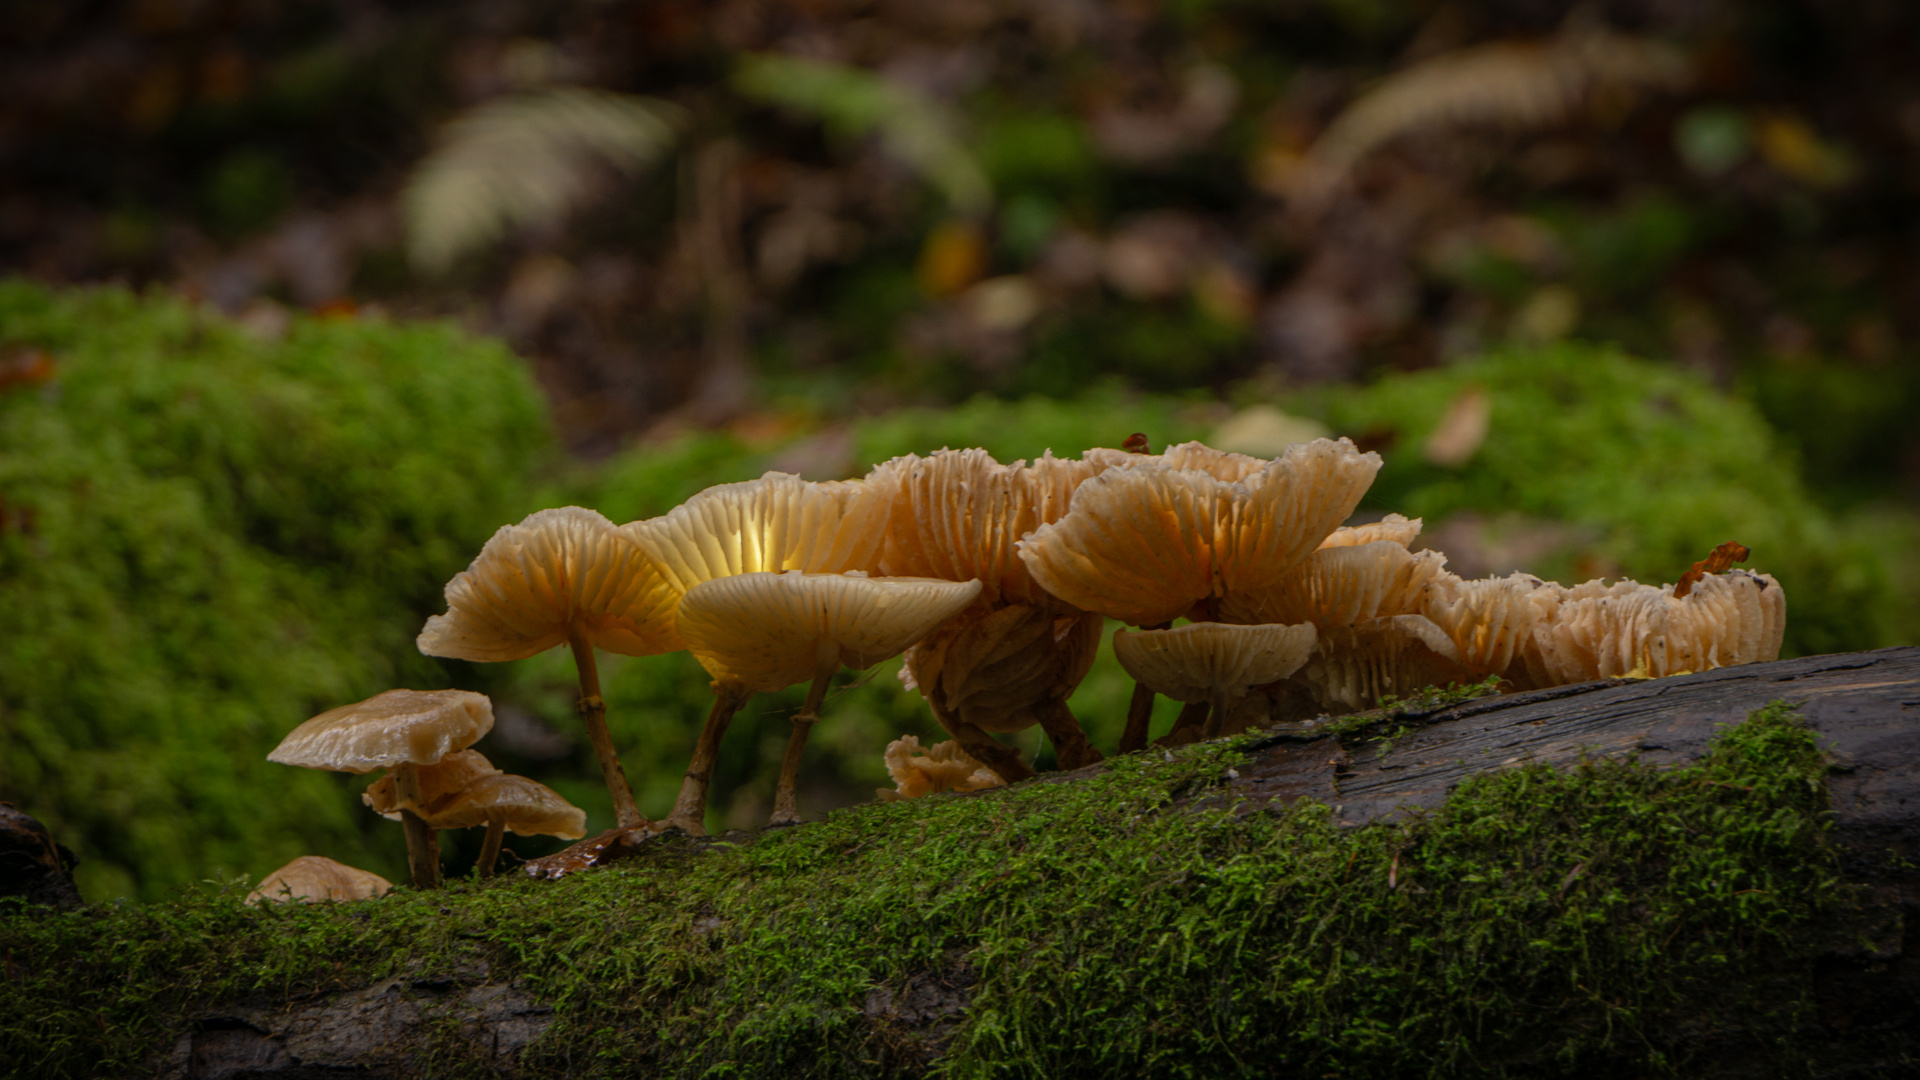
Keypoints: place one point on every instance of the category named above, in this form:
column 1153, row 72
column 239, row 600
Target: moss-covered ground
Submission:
column 1541, row 922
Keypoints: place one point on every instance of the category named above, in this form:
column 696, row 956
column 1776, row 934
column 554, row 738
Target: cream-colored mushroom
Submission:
column 399, row 730
column 1601, row 631
column 1489, row 620
column 452, row 774
column 316, row 877
column 561, row 576
column 944, row 766
column 1394, row 527
column 1353, row 667
column 502, row 802
column 1340, row 586
column 763, row 632
column 770, row 525
column 1214, row 663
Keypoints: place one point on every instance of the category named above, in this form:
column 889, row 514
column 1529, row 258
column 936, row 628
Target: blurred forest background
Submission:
column 1606, row 284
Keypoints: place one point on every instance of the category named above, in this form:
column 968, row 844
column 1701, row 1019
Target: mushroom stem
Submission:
column 1192, row 715
column 1004, row 760
column 786, row 808
column 1139, row 711
column 490, row 850
column 1070, row 743
column 690, row 808
column 1216, row 714
column 423, row 843
column 593, row 710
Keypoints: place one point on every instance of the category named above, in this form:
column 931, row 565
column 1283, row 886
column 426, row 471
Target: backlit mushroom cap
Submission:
column 1142, row 544
column 1353, row 668
column 959, row 514
column 1601, row 631
column 394, row 728
column 534, row 581
column 944, row 766
column 768, row 631
column 452, row 774
column 524, row 806
column 996, row 668
column 1198, row 661
column 770, row 525
column 1341, row 586
column 316, row 877
column 1393, row 527
column 1489, row 620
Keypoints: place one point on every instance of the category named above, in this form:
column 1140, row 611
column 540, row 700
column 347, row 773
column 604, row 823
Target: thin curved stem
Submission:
column 1139, row 716
column 423, row 843
column 690, row 808
column 490, row 850
column 786, row 807
column 593, row 710
column 1069, row 739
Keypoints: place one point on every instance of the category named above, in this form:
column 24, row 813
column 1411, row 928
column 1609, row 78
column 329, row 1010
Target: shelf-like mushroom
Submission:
column 561, row 576
column 1214, row 663
column 763, row 632
column 770, row 525
column 502, row 802
column 1601, row 631
column 316, row 877
column 1341, row 586
column 1353, row 667
column 1490, row 621
column 944, row 766
column 399, row 730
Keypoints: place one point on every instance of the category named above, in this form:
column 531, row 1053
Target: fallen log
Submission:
column 1591, row 880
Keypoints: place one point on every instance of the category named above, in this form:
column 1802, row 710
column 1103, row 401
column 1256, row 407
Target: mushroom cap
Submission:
column 1340, row 586
column 393, row 728
column 450, row 775
column 995, row 668
column 1143, row 543
column 1197, row 661
column 316, row 877
column 526, row 807
column 959, row 514
column 770, row 525
column 944, row 766
column 768, row 631
column 1601, row 631
column 1353, row 667
column 534, row 581
column 1489, row 620
column 1394, row 527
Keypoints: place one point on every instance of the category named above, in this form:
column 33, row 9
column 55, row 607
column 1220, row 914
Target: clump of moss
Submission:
column 1542, row 921
column 209, row 538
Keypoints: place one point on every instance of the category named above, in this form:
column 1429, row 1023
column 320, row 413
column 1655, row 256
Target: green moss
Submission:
column 1542, row 921
column 208, row 540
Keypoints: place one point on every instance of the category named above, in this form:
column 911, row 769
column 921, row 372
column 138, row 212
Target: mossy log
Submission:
column 1668, row 877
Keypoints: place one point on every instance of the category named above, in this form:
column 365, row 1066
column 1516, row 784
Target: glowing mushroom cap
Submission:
column 997, row 668
column 770, row 525
column 534, row 582
column 944, row 766
column 1200, row 661
column 1341, row 586
column 397, row 727
column 316, row 877
column 1394, row 527
column 1142, row 544
column 523, row 806
column 768, row 631
column 959, row 515
column 451, row 774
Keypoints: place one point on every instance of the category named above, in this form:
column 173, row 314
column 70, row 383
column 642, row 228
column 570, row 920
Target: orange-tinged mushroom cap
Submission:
column 452, row 774
column 770, row 525
column 523, row 806
column 1393, row 527
column 768, row 631
column 397, row 727
column 1341, row 586
column 1200, row 661
column 995, row 668
column 1602, row 631
column 1142, row 544
column 535, row 581
column 316, row 877
column 944, row 766
column 1489, row 620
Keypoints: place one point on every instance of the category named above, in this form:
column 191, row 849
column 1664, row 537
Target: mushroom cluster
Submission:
column 995, row 581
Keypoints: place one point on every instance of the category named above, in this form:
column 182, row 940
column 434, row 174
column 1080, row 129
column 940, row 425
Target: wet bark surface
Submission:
column 1865, row 707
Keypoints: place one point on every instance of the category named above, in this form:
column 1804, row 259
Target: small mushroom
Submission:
column 399, row 730
column 503, row 801
column 944, row 766
column 453, row 773
column 1341, row 586
column 1601, row 631
column 1353, row 667
column 770, row 525
column 1215, row 663
column 561, row 576
column 316, row 877
column 1490, row 621
column 1394, row 527
column 763, row 632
